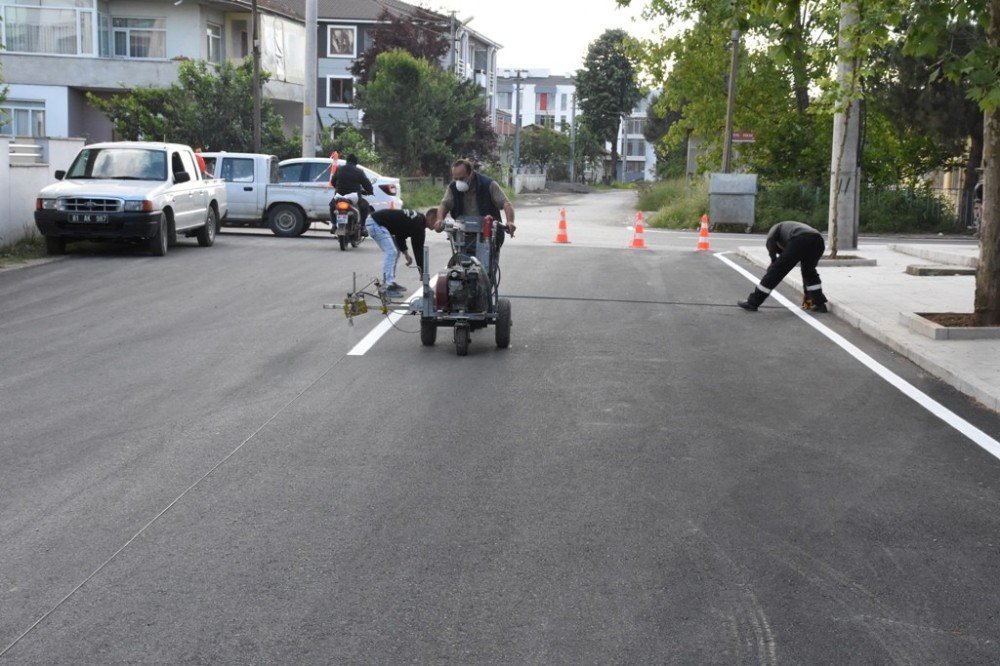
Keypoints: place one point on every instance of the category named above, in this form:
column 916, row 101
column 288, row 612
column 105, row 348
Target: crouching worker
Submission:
column 390, row 228
column 790, row 243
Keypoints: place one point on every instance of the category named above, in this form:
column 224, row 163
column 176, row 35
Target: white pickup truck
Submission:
column 258, row 198
column 144, row 191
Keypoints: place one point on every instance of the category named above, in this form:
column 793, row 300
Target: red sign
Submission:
column 744, row 137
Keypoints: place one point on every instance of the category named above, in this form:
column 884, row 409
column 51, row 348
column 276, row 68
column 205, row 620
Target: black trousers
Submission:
column 805, row 250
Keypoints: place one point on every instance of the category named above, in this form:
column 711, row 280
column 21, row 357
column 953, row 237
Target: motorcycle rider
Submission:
column 347, row 179
column 472, row 193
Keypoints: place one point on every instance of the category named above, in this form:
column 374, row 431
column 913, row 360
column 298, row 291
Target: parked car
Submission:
column 143, row 191
column 258, row 199
column 316, row 172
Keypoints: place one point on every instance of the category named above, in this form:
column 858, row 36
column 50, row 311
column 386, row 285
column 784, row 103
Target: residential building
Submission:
column 550, row 101
column 56, row 51
column 345, row 32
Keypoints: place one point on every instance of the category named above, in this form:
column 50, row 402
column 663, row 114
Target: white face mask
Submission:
column 461, row 186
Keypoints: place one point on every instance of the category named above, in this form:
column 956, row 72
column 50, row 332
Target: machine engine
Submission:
column 463, row 286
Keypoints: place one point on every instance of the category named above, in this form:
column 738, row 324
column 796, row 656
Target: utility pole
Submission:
column 517, row 120
column 572, row 142
column 255, row 33
column 734, row 64
column 309, row 90
column 844, row 171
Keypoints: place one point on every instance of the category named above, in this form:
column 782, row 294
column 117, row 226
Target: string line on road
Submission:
column 167, row 508
column 988, row 444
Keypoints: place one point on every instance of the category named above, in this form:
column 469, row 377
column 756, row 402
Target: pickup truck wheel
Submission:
column 55, row 246
column 285, row 220
column 206, row 235
column 158, row 243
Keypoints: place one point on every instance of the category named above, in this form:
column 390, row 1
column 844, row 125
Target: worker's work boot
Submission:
column 754, row 300
column 815, row 301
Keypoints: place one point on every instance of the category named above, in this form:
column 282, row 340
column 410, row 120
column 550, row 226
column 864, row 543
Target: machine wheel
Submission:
column 206, row 235
column 503, row 323
column 343, row 242
column 158, row 243
column 428, row 332
column 54, row 245
column 285, row 220
column 462, row 339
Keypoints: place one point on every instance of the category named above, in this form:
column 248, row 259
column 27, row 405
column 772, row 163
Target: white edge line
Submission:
column 989, row 444
column 384, row 326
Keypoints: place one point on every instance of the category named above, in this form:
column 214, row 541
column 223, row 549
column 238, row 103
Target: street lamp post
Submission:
column 517, row 120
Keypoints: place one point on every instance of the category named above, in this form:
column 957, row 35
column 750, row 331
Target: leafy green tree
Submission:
column 347, row 139
column 422, row 116
column 209, row 108
column 608, row 87
column 541, row 147
column 589, row 152
column 421, row 35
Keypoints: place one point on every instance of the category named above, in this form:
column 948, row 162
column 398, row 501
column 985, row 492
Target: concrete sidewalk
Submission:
column 876, row 299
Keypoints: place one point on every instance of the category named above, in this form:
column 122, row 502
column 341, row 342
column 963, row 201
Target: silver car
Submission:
column 317, row 170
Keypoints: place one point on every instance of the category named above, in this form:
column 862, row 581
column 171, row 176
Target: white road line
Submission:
column 989, row 444
column 385, row 325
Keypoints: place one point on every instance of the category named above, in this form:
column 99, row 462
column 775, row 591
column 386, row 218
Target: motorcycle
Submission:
column 347, row 220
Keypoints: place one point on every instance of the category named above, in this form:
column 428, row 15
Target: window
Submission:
column 241, row 39
column 341, row 41
column 636, row 148
column 61, row 27
column 543, row 102
column 636, row 125
column 563, row 101
column 214, row 35
column 22, row 118
column 546, row 121
column 140, row 37
column 505, row 100
column 339, row 91
column 237, row 170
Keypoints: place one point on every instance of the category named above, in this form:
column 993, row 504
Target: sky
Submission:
column 544, row 34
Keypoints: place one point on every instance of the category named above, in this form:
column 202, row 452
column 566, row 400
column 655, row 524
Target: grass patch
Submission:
column 30, row 248
column 677, row 205
column 423, row 196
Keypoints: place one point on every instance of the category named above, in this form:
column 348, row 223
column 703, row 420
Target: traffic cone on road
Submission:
column 562, row 236
column 703, row 245
column 637, row 240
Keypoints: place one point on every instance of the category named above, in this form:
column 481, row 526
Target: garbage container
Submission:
column 732, row 199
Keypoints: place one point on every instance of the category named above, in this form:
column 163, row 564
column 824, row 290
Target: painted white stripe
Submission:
column 385, row 325
column 989, row 444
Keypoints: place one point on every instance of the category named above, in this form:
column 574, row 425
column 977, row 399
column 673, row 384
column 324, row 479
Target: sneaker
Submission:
column 398, row 287
column 747, row 305
column 392, row 292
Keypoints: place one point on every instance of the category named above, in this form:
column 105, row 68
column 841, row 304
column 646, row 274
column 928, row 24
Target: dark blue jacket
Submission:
column 483, row 198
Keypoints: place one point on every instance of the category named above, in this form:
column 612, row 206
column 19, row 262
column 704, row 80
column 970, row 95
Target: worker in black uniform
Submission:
column 347, row 179
column 790, row 243
column 398, row 225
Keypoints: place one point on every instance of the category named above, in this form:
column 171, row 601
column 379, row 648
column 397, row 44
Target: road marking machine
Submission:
column 465, row 296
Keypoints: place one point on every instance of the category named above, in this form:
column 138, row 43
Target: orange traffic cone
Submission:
column 637, row 240
column 562, row 236
column 703, row 245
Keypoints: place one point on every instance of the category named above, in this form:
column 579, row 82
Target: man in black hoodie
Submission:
column 347, row 179
column 790, row 243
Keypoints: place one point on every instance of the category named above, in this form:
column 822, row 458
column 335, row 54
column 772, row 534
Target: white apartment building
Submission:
column 550, row 101
column 56, row 51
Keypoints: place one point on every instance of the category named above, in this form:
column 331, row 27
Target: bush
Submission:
column 678, row 205
column 791, row 201
column 421, row 195
column 895, row 211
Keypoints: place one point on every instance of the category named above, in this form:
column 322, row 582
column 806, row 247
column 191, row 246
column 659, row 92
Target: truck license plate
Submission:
column 89, row 219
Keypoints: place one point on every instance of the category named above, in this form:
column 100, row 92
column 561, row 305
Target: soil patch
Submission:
column 952, row 319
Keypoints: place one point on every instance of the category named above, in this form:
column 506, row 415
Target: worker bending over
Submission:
column 790, row 243
column 390, row 228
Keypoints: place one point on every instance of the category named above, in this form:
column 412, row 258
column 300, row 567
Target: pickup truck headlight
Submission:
column 135, row 206
column 46, row 204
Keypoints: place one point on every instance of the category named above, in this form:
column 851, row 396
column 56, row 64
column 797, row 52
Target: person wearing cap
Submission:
column 390, row 228
column 472, row 193
column 790, row 243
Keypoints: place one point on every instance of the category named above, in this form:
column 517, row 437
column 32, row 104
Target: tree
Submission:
column 208, row 107
column 347, row 139
column 608, row 87
column 541, row 147
column 589, row 152
column 422, row 116
column 420, row 35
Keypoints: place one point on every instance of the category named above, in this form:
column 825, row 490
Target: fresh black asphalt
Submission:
column 638, row 479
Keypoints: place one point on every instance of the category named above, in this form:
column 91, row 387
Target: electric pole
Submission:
column 517, row 120
column 734, row 64
column 309, row 90
column 844, row 172
column 255, row 33
column 572, row 141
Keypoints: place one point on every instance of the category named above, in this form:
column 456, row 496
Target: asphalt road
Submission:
column 193, row 470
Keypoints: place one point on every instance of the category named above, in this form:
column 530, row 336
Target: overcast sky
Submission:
column 544, row 34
